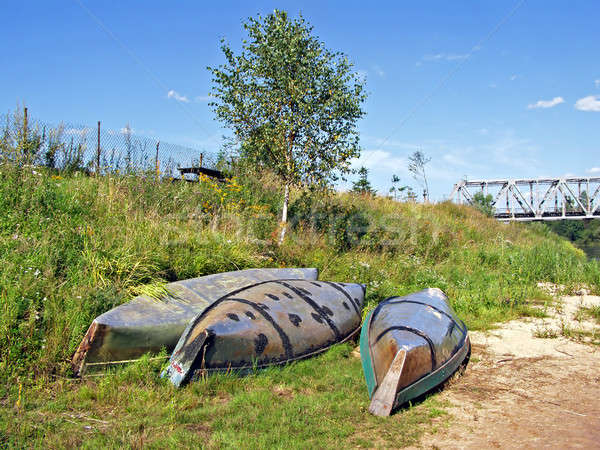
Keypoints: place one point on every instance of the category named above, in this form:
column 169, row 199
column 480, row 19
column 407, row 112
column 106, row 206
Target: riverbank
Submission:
column 531, row 383
column 584, row 234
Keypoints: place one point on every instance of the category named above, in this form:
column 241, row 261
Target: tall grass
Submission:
column 74, row 246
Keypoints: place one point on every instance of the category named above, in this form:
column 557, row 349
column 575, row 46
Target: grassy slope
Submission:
column 74, row 247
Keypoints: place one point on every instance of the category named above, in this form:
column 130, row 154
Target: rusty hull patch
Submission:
column 94, row 337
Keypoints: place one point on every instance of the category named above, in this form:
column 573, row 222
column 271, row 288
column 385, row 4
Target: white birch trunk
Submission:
column 284, row 213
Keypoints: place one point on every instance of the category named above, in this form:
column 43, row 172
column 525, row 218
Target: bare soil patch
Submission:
column 531, row 383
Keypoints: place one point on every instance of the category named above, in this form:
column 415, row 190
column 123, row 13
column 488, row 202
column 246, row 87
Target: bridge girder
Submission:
column 531, row 199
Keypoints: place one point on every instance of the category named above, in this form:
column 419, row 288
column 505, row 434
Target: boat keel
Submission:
column 385, row 396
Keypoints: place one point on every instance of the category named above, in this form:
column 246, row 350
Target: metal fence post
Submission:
column 24, row 141
column 98, row 152
column 157, row 163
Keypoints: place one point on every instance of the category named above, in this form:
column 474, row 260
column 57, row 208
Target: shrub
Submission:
column 344, row 225
column 484, row 203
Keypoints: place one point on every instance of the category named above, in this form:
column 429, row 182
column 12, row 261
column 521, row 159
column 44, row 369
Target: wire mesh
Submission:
column 94, row 149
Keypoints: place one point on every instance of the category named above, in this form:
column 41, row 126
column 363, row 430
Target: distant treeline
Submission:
column 581, row 232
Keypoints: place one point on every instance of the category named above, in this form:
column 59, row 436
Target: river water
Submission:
column 593, row 251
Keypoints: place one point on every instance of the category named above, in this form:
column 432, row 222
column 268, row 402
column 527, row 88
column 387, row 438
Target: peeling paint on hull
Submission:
column 270, row 323
column 147, row 325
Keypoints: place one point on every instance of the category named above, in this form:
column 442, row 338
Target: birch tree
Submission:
column 416, row 165
column 292, row 104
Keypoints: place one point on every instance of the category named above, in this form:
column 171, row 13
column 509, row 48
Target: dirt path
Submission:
column 528, row 386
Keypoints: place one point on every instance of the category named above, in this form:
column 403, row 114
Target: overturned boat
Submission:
column 269, row 323
column 409, row 345
column 147, row 324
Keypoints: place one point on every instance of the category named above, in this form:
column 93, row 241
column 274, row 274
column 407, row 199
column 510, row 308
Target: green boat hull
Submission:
column 409, row 345
column 149, row 325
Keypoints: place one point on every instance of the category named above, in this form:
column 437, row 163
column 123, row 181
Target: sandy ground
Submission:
column 531, row 383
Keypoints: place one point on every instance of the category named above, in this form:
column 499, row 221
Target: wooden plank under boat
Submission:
column 270, row 323
column 409, row 345
column 147, row 324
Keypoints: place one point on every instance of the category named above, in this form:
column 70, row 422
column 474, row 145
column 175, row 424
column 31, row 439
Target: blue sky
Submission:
column 486, row 89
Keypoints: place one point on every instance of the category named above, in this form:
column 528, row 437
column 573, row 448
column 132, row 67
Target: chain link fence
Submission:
column 94, row 149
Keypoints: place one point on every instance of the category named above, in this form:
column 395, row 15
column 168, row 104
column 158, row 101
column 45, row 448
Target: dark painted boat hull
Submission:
column 269, row 323
column 147, row 325
column 410, row 345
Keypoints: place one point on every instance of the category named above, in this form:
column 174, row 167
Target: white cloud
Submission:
column 390, row 143
column 454, row 56
column 593, row 170
column 435, row 57
column 493, row 85
column 496, row 154
column 203, row 98
column 378, row 159
column 379, row 71
column 513, row 77
column 589, row 103
column 381, row 165
column 456, row 160
column 513, row 153
column 546, row 103
column 597, row 83
column 445, row 57
column 175, row 95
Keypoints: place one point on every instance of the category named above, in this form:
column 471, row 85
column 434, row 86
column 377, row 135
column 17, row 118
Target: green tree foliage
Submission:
column 484, row 203
column 291, row 103
column 399, row 191
column 582, row 232
column 363, row 185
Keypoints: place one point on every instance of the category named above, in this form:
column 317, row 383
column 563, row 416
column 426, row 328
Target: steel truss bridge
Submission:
column 535, row 199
